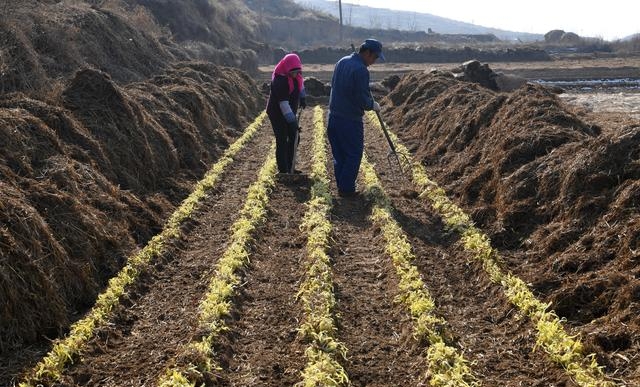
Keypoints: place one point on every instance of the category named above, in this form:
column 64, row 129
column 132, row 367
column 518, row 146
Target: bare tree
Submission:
column 412, row 23
column 375, row 21
column 635, row 44
column 390, row 24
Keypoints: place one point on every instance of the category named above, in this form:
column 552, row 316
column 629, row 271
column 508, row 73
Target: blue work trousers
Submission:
column 347, row 144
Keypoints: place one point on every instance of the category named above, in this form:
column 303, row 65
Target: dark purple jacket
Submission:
column 279, row 93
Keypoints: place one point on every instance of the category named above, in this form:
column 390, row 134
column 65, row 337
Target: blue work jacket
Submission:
column 350, row 95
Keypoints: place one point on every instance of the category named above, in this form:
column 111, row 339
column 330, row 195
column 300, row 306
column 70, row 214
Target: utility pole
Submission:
column 341, row 33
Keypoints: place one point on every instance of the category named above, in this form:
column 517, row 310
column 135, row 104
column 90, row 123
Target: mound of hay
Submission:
column 44, row 41
column 557, row 195
column 315, row 87
column 84, row 183
column 47, row 41
column 105, row 124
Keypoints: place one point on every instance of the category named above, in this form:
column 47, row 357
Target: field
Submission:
column 270, row 281
column 565, row 68
column 146, row 239
column 566, row 72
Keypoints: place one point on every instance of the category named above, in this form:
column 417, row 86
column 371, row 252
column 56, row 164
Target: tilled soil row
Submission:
column 160, row 313
column 376, row 330
column 499, row 343
column 262, row 348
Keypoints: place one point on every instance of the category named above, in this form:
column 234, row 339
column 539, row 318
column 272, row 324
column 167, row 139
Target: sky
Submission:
column 610, row 19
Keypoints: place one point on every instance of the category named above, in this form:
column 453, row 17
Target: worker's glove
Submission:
column 293, row 126
column 303, row 103
column 376, row 106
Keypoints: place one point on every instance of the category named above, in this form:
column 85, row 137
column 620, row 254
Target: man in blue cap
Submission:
column 350, row 97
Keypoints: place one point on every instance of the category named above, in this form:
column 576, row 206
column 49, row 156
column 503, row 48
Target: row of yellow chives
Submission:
column 446, row 367
column 217, row 304
column 562, row 348
column 316, row 292
column 66, row 350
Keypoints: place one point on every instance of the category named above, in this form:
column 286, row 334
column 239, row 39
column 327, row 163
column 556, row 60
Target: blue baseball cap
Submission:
column 374, row 46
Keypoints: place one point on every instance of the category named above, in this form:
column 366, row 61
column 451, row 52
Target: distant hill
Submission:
column 368, row 17
column 631, row 37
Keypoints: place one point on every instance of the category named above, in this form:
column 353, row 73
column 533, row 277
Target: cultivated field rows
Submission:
column 263, row 280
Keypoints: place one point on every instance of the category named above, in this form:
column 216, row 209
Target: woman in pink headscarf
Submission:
column 287, row 93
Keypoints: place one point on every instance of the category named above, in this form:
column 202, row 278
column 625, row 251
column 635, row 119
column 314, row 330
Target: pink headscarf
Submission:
column 288, row 63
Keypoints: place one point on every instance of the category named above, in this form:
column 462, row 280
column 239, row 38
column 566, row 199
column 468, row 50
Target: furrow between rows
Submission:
column 446, row 366
column 68, row 350
column 196, row 364
column 561, row 348
column 316, row 292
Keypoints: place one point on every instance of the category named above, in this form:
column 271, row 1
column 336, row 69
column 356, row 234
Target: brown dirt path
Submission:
column 262, row 348
column 375, row 329
column 486, row 327
column 161, row 312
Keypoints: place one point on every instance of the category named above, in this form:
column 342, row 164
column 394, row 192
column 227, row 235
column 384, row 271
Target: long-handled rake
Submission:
column 393, row 154
column 296, row 141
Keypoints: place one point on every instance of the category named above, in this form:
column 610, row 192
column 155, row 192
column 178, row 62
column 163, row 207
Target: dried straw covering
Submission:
column 40, row 42
column 84, row 184
column 557, row 195
column 90, row 168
